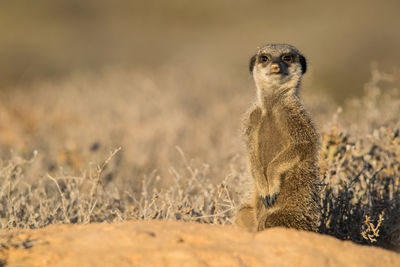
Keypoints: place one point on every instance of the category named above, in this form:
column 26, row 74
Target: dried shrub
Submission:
column 88, row 198
column 360, row 191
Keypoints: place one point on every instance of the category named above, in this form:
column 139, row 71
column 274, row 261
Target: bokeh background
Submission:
column 165, row 79
column 50, row 39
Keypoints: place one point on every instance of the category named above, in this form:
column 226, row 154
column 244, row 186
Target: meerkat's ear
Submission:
column 303, row 64
column 252, row 63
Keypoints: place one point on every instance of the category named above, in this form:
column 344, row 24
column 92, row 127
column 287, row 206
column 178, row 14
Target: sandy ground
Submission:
column 161, row 243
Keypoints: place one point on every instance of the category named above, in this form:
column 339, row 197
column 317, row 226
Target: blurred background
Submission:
column 48, row 39
column 169, row 81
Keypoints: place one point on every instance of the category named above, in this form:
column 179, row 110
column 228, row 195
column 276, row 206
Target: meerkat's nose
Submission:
column 275, row 68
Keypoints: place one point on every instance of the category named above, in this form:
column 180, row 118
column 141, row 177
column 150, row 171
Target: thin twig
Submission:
column 64, row 208
column 96, row 182
column 213, row 215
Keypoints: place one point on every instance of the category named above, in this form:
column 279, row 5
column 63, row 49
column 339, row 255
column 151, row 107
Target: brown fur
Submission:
column 282, row 145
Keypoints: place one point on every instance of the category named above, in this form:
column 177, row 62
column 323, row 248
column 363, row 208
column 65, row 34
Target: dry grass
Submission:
column 67, row 199
column 56, row 167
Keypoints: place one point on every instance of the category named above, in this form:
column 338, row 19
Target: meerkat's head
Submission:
column 277, row 67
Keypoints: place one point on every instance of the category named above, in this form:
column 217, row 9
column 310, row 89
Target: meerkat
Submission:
column 282, row 144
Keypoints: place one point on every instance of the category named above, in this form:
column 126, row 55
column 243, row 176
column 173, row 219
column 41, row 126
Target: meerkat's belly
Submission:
column 272, row 137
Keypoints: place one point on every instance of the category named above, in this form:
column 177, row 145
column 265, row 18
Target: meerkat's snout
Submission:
column 275, row 68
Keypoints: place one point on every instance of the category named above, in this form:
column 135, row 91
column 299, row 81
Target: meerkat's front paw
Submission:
column 269, row 200
column 268, row 194
column 274, row 184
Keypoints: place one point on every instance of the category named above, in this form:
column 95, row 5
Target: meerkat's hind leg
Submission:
column 246, row 217
column 288, row 219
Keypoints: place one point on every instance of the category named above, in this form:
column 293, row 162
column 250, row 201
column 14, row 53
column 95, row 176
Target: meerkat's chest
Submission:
column 272, row 135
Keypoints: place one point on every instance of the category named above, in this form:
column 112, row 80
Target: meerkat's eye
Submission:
column 287, row 58
column 264, row 58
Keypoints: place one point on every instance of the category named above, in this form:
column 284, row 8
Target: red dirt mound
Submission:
column 169, row 243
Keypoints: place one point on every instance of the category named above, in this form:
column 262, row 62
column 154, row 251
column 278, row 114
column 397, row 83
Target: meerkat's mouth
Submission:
column 274, row 74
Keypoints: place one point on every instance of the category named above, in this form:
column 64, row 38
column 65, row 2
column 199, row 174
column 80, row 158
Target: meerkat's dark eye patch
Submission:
column 303, row 64
column 264, row 58
column 252, row 63
column 288, row 58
